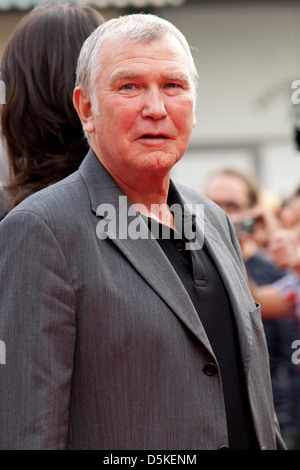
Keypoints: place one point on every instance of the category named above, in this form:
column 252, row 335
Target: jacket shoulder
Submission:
column 57, row 198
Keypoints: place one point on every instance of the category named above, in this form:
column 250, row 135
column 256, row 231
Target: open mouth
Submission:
column 151, row 136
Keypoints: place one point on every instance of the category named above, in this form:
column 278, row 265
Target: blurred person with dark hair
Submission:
column 238, row 193
column 233, row 190
column 41, row 129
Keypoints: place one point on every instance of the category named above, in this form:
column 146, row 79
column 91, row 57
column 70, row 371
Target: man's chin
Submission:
column 159, row 160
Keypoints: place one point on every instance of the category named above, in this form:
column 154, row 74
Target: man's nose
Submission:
column 154, row 105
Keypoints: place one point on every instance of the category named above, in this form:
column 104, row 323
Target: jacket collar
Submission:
column 145, row 255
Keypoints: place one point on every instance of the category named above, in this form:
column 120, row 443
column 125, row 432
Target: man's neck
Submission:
column 150, row 198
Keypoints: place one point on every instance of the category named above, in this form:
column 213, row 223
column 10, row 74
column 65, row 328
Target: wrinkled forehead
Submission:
column 127, row 53
column 148, row 47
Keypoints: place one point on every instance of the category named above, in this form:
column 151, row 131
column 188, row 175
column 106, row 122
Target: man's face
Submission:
column 230, row 193
column 146, row 108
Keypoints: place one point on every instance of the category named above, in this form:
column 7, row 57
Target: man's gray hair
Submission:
column 137, row 27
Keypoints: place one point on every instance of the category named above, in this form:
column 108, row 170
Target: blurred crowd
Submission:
column 268, row 230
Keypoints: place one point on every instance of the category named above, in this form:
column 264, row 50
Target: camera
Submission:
column 245, row 225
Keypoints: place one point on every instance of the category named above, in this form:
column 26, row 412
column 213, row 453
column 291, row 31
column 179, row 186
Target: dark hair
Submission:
column 42, row 131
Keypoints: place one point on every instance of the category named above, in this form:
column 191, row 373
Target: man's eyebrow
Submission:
column 172, row 76
column 177, row 76
column 123, row 75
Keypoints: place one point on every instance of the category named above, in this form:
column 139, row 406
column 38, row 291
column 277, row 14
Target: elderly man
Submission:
column 123, row 329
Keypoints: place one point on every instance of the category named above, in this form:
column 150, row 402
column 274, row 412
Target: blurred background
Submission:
column 248, row 56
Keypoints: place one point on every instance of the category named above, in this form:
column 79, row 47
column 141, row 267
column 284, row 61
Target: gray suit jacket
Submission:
column 104, row 349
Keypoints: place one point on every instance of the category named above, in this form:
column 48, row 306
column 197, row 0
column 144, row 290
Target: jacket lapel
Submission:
column 233, row 275
column 145, row 253
column 150, row 261
column 236, row 285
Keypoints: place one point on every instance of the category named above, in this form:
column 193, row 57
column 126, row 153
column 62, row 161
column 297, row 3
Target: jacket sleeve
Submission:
column 37, row 327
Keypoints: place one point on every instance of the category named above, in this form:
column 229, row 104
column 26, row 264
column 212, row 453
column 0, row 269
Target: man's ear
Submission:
column 83, row 107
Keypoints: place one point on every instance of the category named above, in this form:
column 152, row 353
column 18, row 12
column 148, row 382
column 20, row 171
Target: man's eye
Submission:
column 128, row 86
column 172, row 85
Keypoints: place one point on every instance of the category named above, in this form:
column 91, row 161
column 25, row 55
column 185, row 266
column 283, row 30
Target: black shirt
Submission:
column 205, row 287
